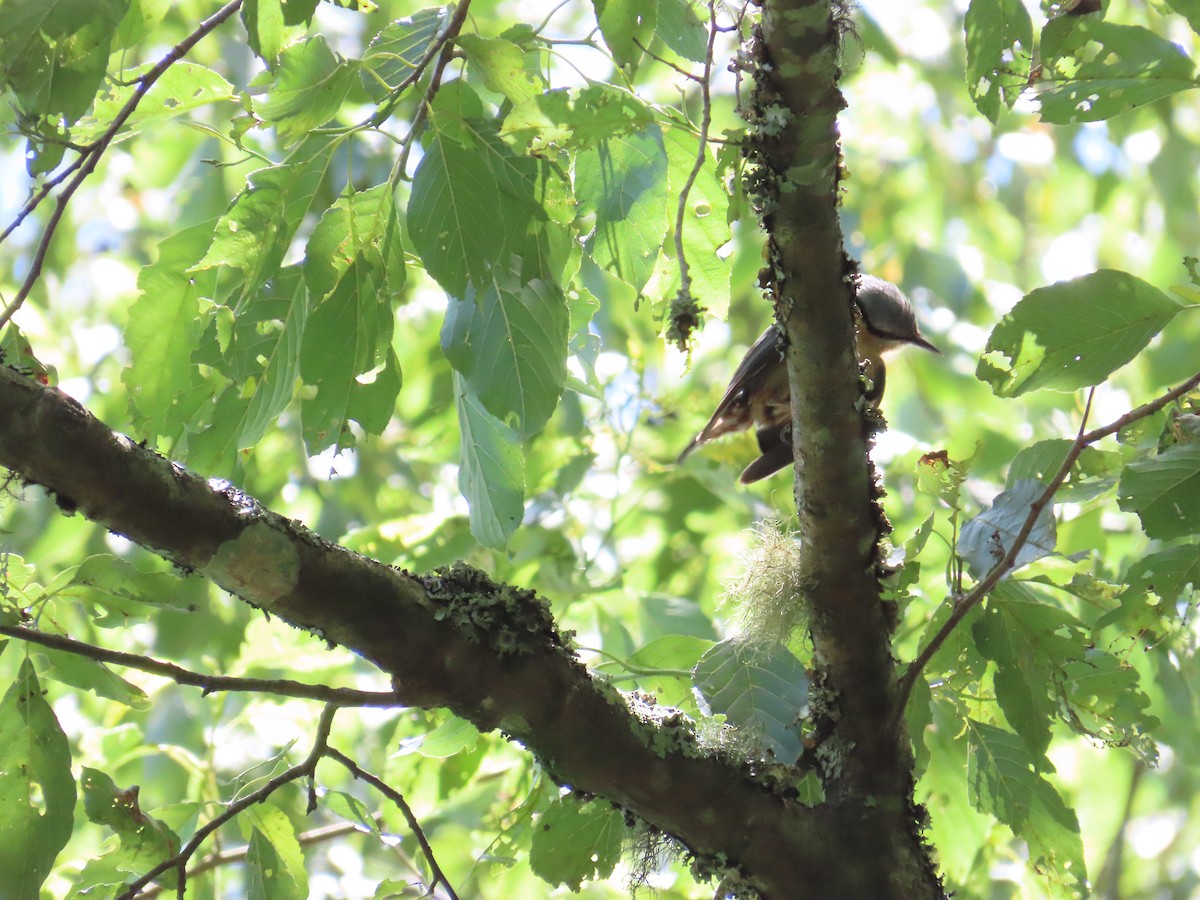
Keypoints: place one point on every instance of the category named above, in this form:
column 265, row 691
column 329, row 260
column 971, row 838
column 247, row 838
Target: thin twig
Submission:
column 439, row 877
column 679, row 70
column 1146, row 409
column 1108, row 883
column 91, row 156
column 965, row 604
column 210, row 683
column 588, row 40
column 37, row 197
column 453, row 27
column 550, row 15
column 306, row 768
column 238, row 854
column 685, row 278
column 446, row 53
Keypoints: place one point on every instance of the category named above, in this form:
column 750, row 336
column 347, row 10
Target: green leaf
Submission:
column 351, row 809
column 1107, row 703
column 455, row 105
column 761, row 690
column 183, row 88
column 503, row 66
column 394, row 53
column 574, row 118
column 809, row 790
column 373, row 395
column 1047, row 665
column 575, row 841
column 361, row 225
column 624, row 24
column 662, row 614
column 164, row 327
column 1074, row 334
column 664, row 666
column 677, row 653
column 919, row 716
column 453, row 213
column 252, row 234
column 1006, row 781
column 1049, row 635
column 478, row 210
column 1094, row 473
column 140, row 20
column 453, row 736
column 1164, row 491
column 264, row 28
column 144, row 840
column 1154, row 586
column 298, row 12
column 1023, row 674
column 17, row 353
column 274, row 860
column 112, row 585
column 1095, row 70
column 310, row 85
column 37, row 792
column 92, row 675
column 681, row 28
column 623, row 183
column 491, row 472
column 347, row 342
column 53, row 53
column 986, row 539
column 1189, row 9
column 256, row 231
column 263, row 362
column 509, row 343
column 999, row 53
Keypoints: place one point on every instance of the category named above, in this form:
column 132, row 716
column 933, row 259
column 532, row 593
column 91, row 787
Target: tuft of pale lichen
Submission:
column 767, row 595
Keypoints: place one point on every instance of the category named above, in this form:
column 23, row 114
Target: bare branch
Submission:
column 306, row 768
column 282, row 687
column 238, row 854
column 679, row 70
column 439, row 877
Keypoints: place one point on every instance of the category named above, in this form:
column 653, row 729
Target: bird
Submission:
column 758, row 395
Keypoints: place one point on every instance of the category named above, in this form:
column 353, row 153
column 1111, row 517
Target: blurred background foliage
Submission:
column 629, row 549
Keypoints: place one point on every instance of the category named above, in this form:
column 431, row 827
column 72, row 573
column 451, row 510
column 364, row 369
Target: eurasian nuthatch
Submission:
column 758, row 393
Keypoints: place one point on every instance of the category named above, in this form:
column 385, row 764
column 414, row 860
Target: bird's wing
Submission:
column 733, row 413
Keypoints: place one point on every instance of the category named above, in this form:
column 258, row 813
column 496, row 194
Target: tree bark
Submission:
column 454, row 638
column 796, row 167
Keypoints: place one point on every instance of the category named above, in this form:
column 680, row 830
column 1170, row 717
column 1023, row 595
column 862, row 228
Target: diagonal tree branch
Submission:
column 490, row 652
column 969, row 601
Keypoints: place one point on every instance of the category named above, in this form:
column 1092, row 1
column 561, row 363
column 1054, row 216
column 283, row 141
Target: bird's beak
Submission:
column 925, row 345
